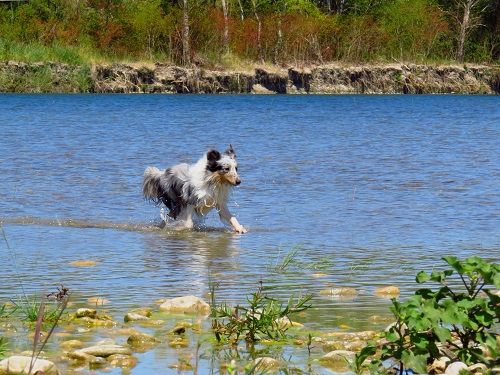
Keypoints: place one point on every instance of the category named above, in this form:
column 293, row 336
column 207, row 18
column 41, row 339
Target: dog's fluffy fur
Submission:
column 195, row 189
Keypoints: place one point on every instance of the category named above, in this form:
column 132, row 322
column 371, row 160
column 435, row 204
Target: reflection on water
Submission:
column 369, row 189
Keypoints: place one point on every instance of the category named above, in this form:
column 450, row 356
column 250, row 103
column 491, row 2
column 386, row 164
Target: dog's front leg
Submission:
column 226, row 216
column 186, row 217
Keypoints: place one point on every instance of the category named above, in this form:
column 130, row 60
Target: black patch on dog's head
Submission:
column 230, row 151
column 213, row 156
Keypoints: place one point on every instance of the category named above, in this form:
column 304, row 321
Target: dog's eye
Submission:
column 236, row 169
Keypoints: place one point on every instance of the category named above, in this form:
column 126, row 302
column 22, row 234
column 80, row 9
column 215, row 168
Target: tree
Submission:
column 186, row 57
column 496, row 32
column 225, row 38
column 468, row 17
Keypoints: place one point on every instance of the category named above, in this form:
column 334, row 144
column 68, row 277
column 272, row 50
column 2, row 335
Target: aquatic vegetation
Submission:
column 264, row 317
column 455, row 321
column 3, row 346
column 291, row 263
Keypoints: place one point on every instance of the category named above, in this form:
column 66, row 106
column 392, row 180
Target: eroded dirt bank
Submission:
column 324, row 79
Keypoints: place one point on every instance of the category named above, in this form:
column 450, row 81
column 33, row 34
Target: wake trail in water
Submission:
column 79, row 223
column 130, row 227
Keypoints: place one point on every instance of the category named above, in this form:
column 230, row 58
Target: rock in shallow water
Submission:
column 265, row 363
column 71, row 344
column 186, row 305
column 133, row 317
column 338, row 360
column 85, row 312
column 18, row 364
column 387, row 291
column 122, row 360
column 104, row 350
column 140, row 339
column 339, row 292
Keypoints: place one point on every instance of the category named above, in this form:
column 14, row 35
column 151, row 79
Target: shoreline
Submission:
column 50, row 77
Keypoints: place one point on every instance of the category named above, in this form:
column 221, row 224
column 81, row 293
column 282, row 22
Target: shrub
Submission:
column 456, row 320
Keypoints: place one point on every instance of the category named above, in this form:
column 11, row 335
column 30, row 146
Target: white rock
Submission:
column 18, row 364
column 104, row 350
column 454, row 368
column 186, row 305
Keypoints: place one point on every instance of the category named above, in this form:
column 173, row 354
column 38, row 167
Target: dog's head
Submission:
column 224, row 165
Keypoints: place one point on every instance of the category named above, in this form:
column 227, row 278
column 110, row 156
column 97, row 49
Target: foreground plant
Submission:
column 457, row 320
column 264, row 317
column 3, row 346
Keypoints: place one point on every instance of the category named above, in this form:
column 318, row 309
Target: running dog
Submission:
column 195, row 189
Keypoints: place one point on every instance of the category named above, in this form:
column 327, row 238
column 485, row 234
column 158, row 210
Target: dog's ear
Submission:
column 213, row 156
column 230, row 151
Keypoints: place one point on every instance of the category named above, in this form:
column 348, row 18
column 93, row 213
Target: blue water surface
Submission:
column 365, row 190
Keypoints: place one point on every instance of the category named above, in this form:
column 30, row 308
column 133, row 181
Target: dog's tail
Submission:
column 152, row 188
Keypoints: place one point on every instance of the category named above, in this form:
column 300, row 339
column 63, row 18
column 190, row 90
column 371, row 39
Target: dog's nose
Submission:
column 238, row 181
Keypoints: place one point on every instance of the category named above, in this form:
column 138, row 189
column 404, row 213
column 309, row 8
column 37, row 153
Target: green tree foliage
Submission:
column 280, row 31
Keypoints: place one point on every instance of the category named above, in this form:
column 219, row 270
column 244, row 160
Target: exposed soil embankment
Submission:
column 327, row 79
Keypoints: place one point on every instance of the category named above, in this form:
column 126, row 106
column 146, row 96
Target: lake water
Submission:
column 365, row 191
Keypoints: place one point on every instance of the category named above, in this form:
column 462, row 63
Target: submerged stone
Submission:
column 144, row 311
column 122, row 360
column 71, row 344
column 389, row 291
column 319, row 274
column 179, row 342
column 93, row 360
column 338, row 360
column 18, row 364
column 83, row 263
column 355, row 345
column 97, row 301
column 339, row 292
column 181, row 366
column 140, row 339
column 266, row 363
column 186, row 305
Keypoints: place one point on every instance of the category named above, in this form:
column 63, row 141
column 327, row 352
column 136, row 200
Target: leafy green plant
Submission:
column 456, row 320
column 358, row 365
column 264, row 317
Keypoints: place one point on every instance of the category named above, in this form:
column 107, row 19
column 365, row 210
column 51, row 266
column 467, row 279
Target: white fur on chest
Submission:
column 210, row 193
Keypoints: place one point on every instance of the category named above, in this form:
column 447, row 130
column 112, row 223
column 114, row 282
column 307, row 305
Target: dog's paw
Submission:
column 241, row 230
